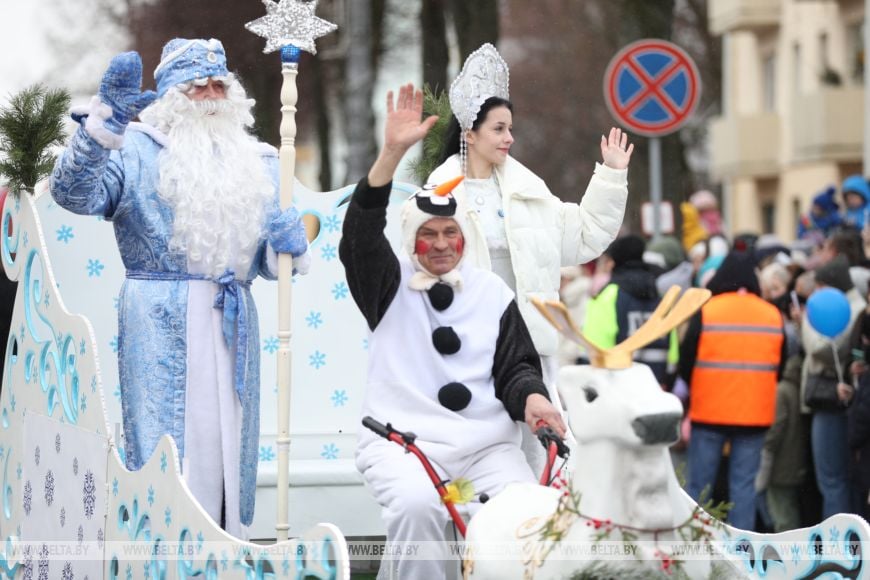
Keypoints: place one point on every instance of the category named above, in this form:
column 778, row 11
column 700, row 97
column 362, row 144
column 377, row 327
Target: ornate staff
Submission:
column 291, row 26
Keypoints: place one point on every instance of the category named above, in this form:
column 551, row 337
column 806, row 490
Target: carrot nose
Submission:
column 448, row 186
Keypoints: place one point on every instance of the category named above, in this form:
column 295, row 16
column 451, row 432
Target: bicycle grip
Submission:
column 376, row 426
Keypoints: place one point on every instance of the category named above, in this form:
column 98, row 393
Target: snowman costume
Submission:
column 450, row 359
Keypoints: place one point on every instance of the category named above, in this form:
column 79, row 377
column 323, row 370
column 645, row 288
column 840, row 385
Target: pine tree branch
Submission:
column 30, row 125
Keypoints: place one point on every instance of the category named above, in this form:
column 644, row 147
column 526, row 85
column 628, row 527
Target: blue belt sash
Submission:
column 230, row 299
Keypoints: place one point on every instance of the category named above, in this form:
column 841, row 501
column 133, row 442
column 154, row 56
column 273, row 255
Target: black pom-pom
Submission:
column 454, row 396
column 445, row 340
column 441, row 296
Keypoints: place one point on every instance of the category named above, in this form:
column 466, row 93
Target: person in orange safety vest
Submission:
column 732, row 357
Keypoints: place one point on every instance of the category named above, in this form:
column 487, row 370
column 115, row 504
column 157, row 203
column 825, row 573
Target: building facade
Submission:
column 792, row 118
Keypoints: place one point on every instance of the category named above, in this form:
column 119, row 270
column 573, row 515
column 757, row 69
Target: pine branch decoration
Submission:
column 433, row 104
column 30, row 125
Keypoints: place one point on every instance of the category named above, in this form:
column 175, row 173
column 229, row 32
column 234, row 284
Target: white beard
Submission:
column 214, row 179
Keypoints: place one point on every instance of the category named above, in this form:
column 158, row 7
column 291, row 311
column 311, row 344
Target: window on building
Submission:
column 856, row 52
column 768, row 217
column 796, row 67
column 796, row 210
column 828, row 75
column 768, row 72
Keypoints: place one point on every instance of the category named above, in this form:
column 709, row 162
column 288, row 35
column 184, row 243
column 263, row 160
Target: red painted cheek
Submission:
column 460, row 244
column 422, row 247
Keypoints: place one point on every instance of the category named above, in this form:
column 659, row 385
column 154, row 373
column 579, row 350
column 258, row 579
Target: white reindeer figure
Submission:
column 624, row 480
column 624, row 488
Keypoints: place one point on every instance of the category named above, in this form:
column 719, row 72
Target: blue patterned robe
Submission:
column 152, row 355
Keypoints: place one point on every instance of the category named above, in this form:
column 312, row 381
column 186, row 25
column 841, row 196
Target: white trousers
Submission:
column 412, row 508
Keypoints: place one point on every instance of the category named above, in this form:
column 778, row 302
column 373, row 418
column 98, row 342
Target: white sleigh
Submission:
column 65, row 489
column 624, row 487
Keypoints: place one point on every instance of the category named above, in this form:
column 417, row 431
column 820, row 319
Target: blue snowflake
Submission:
column 164, row 462
column 12, row 403
column 285, row 565
column 114, row 343
column 267, row 453
column 94, row 384
column 115, row 486
column 317, row 360
column 339, row 398
column 49, row 488
column 18, row 471
column 835, row 534
column 314, row 319
column 270, row 344
column 225, row 560
column 95, row 268
column 328, row 252
column 65, row 234
column 82, row 349
column 129, row 571
column 200, row 539
column 28, row 498
column 84, row 403
column 331, row 224
column 117, row 392
column 46, row 301
column 167, row 516
column 26, row 240
column 329, row 451
column 340, row 291
column 150, row 495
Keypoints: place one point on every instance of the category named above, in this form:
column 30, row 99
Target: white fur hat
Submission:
column 430, row 201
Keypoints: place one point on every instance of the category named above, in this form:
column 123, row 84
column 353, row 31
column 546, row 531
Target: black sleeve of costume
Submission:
column 516, row 366
column 370, row 266
column 689, row 348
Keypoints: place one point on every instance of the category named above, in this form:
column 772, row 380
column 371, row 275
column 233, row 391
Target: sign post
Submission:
column 652, row 87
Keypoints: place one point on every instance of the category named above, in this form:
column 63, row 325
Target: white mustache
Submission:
column 212, row 106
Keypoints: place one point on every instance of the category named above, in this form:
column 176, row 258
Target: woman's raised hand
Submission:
column 615, row 149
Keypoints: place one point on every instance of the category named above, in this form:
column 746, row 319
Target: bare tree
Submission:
column 433, row 23
column 358, row 88
column 475, row 22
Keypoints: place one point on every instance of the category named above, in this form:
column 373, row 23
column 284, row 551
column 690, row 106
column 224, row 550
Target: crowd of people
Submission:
column 743, row 364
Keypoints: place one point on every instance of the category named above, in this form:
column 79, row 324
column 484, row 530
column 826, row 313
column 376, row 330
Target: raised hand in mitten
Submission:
column 121, row 90
column 287, row 233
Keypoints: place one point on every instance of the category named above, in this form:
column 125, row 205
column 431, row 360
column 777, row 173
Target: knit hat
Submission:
column 184, row 60
column 736, row 271
column 670, row 250
column 626, row 249
column 835, row 274
column 704, row 200
column 825, row 200
column 856, row 184
column 428, row 202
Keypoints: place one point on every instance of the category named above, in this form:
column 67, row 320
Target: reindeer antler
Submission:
column 670, row 313
column 557, row 314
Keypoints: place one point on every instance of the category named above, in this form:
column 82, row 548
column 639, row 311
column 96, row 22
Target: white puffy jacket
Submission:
column 544, row 233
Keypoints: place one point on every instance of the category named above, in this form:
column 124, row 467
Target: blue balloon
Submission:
column 828, row 311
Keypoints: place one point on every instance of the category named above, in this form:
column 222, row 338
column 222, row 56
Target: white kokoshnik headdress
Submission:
column 485, row 74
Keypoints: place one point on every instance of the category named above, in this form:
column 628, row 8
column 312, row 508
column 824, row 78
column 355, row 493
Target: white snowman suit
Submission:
column 450, row 360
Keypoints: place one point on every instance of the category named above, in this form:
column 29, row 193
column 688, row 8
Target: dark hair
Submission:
column 736, row 271
column 847, row 242
column 454, row 131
